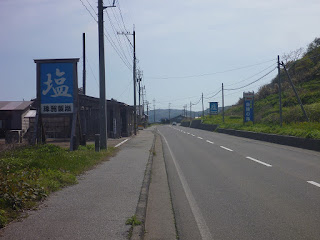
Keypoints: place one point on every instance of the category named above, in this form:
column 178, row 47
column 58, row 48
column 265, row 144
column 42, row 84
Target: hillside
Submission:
column 304, row 70
column 305, row 74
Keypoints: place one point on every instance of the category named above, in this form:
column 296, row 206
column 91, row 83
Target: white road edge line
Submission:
column 314, row 183
column 200, row 137
column 203, row 228
column 209, row 142
column 119, row 144
column 228, row 149
column 263, row 163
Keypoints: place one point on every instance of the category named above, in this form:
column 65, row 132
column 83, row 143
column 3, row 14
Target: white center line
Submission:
column 209, row 142
column 263, row 163
column 200, row 137
column 121, row 142
column 228, row 149
column 314, row 183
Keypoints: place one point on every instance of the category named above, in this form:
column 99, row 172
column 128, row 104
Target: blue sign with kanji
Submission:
column 56, row 87
column 213, row 107
column 248, row 105
column 248, row 113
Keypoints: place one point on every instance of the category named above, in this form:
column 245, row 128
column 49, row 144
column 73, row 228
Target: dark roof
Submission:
column 14, row 105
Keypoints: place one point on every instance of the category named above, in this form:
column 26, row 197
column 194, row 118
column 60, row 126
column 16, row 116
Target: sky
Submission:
column 184, row 47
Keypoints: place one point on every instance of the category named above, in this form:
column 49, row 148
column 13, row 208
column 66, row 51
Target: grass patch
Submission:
column 29, row 174
column 298, row 129
column 133, row 221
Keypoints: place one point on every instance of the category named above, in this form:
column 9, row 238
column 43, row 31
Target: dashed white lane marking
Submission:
column 255, row 160
column 193, row 135
column 209, row 142
column 314, row 183
column 202, row 225
column 119, row 144
column 228, row 149
column 188, row 133
column 200, row 137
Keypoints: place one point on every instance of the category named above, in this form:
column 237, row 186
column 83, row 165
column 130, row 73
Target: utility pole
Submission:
column 139, row 81
column 134, row 82
column 222, row 105
column 84, row 64
column 169, row 112
column 143, row 93
column 190, row 111
column 154, row 110
column 202, row 107
column 102, row 80
column 147, row 102
column 294, row 89
column 279, row 83
column 134, row 78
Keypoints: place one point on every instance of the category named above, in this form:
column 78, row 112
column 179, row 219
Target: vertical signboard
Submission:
column 248, row 107
column 214, row 108
column 56, row 88
column 57, row 91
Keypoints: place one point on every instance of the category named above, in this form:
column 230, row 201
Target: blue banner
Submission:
column 56, row 81
column 248, row 110
column 213, row 107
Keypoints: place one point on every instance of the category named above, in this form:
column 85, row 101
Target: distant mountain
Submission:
column 164, row 113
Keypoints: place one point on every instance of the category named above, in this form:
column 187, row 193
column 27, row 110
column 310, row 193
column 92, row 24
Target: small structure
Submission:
column 14, row 117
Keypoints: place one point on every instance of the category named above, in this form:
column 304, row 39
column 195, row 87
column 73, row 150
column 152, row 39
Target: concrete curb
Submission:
column 305, row 143
column 137, row 232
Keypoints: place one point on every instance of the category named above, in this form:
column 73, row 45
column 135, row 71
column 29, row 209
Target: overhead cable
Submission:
column 107, row 37
column 232, row 89
column 208, row 74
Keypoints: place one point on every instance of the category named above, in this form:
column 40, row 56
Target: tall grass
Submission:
column 293, row 128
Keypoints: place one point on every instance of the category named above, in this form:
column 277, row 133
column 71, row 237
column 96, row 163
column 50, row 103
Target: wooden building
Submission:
column 14, row 116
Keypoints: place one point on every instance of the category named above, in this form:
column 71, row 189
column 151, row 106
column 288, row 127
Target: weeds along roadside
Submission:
column 298, row 129
column 30, row 174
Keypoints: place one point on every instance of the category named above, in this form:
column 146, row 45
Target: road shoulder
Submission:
column 160, row 223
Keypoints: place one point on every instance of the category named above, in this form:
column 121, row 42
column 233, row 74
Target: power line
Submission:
column 177, row 99
column 117, row 38
column 213, row 95
column 106, row 34
column 128, row 44
column 250, row 76
column 232, row 89
column 193, row 104
column 208, row 74
column 89, row 11
column 91, row 7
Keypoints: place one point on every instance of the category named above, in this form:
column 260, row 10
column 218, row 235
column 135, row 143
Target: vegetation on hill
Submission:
column 304, row 70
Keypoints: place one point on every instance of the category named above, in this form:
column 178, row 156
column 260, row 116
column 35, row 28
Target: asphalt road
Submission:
column 225, row 187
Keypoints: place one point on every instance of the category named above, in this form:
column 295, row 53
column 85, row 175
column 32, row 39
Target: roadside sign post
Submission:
column 248, row 107
column 213, row 108
column 57, row 94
